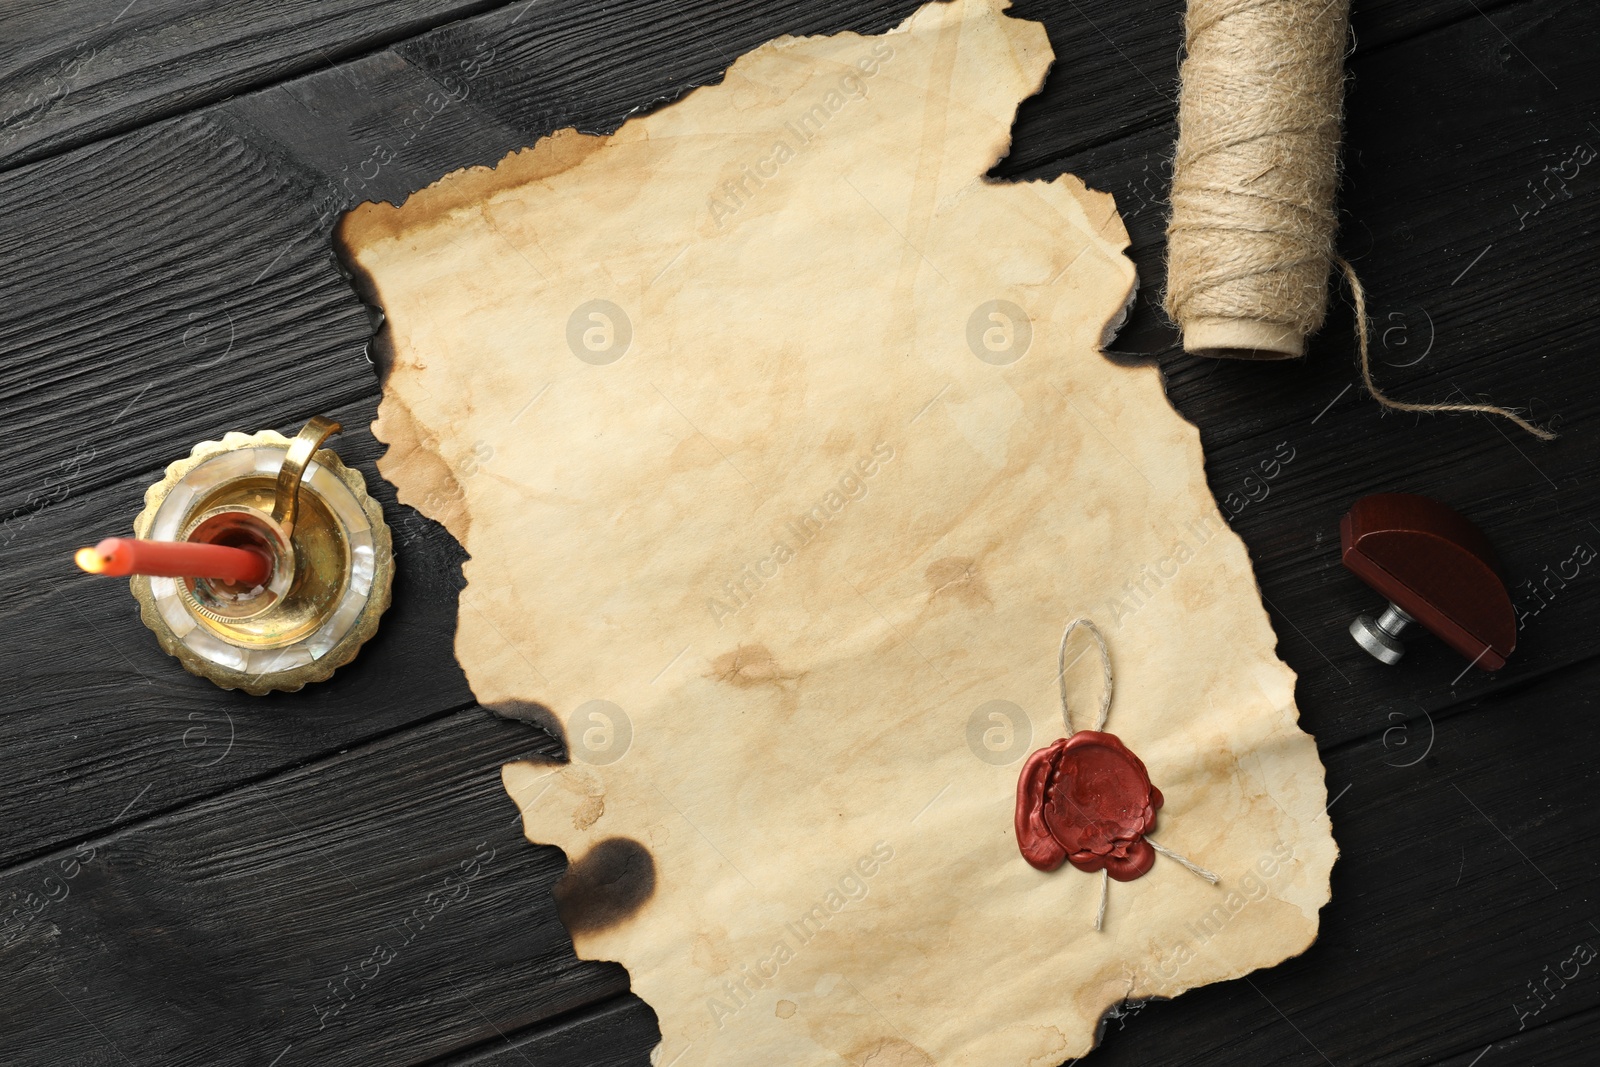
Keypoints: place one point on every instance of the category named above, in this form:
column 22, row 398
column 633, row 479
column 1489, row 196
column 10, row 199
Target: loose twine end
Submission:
column 1359, row 296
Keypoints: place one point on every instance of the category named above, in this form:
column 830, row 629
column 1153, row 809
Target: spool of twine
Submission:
column 1250, row 240
column 1253, row 181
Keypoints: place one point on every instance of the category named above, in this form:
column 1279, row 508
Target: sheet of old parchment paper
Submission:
column 783, row 452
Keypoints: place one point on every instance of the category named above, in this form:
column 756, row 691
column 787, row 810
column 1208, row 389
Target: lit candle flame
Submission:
column 90, row 560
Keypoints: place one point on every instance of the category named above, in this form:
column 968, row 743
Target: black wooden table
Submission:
column 191, row 876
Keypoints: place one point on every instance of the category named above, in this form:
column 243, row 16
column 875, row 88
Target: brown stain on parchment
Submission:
column 1101, row 993
column 605, row 887
column 957, row 577
column 707, row 956
column 888, row 1052
column 693, row 452
column 749, row 666
column 580, row 782
column 839, row 443
column 588, row 813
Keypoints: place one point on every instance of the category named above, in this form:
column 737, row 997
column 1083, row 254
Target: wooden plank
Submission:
column 73, row 71
column 1570, row 1039
column 156, row 289
column 78, row 71
column 340, row 914
column 179, row 282
column 376, row 128
column 617, row 1033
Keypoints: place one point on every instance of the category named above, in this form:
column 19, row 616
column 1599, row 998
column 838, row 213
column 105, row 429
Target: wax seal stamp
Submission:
column 1435, row 568
column 261, row 562
column 1088, row 800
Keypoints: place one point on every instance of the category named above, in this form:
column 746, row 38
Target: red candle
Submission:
column 120, row 556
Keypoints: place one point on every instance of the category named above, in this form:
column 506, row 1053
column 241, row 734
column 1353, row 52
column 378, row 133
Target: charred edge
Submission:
column 606, row 887
column 534, row 715
column 380, row 344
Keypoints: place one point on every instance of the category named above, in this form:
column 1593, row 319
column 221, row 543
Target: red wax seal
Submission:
column 1087, row 799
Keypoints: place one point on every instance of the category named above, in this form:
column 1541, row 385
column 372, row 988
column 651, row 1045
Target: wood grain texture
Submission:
column 190, row 255
column 145, row 277
column 303, row 912
column 615, row 1033
column 70, row 72
column 1567, row 1040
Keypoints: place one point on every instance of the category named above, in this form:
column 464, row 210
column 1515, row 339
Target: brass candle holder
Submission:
column 332, row 560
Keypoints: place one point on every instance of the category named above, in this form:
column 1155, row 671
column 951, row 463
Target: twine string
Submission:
column 1195, row 867
column 1105, row 710
column 1359, row 297
column 1061, row 673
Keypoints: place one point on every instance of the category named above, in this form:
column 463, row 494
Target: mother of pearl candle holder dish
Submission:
column 332, row 560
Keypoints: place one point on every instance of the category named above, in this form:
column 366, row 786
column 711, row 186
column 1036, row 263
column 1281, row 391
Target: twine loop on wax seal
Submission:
column 1253, row 179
